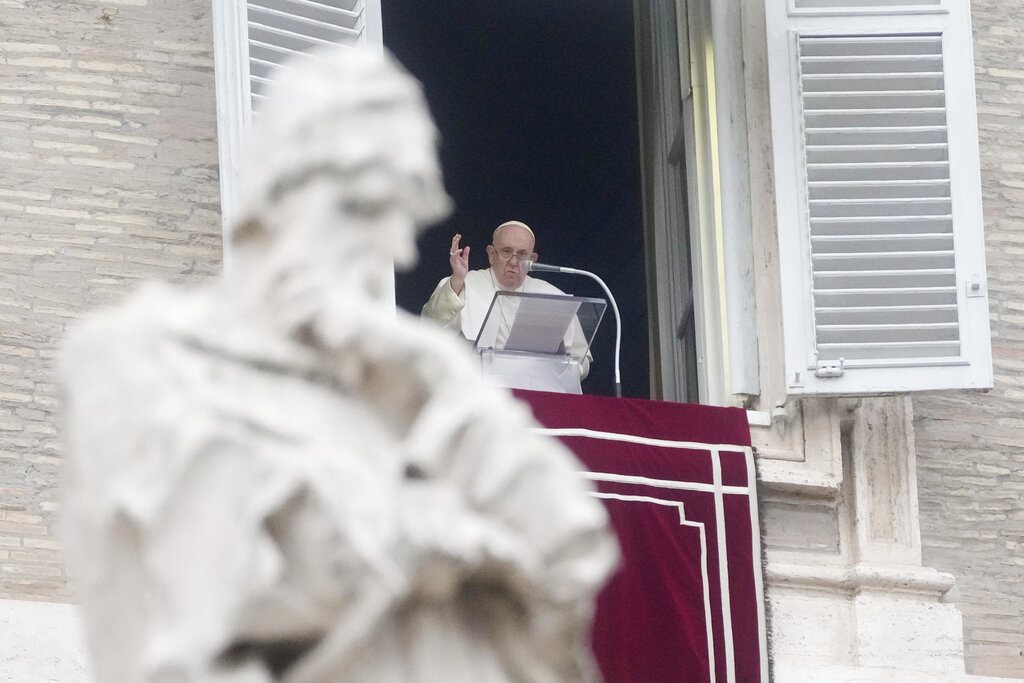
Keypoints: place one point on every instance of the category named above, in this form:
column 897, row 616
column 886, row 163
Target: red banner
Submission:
column 679, row 484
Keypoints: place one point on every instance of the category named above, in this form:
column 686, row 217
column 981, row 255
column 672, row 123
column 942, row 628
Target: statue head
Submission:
column 341, row 173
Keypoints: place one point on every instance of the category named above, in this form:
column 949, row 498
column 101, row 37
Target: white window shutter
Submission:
column 279, row 29
column 878, row 196
column 251, row 38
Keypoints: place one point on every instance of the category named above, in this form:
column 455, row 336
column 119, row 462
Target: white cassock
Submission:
column 465, row 312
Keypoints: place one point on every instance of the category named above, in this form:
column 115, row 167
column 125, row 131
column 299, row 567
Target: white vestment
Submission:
column 466, row 311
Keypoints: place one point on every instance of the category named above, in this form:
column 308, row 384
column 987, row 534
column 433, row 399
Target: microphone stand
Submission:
column 529, row 265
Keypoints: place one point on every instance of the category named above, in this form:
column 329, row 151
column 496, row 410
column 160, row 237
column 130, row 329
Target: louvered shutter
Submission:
column 878, row 196
column 251, row 38
column 279, row 29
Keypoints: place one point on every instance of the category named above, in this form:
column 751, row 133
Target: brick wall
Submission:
column 108, row 175
column 971, row 446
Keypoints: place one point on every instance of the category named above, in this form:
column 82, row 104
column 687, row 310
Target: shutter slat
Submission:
column 870, row 119
column 896, row 44
column 271, row 37
column 918, row 352
column 272, row 55
column 302, row 26
column 879, row 188
column 840, row 83
column 841, row 298
column 882, row 279
column 302, row 6
column 886, row 66
column 888, row 208
column 886, row 315
column 937, row 151
column 881, row 135
column 339, row 12
column 881, row 171
column 872, row 100
column 874, row 334
column 866, row 4
column 909, row 261
column 825, row 245
column 281, row 29
column 867, row 227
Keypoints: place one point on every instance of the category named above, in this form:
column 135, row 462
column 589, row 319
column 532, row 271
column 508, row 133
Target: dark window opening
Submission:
column 536, row 102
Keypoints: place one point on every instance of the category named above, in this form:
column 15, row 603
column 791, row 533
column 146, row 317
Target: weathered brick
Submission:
column 127, row 139
column 57, row 102
column 80, row 91
column 995, row 636
column 15, row 156
column 101, row 163
column 10, row 46
column 29, row 569
column 26, row 87
column 71, row 77
column 1006, row 73
column 986, row 566
column 125, row 66
column 38, row 62
column 26, row 194
column 24, row 529
column 38, row 556
column 84, row 142
column 34, row 115
column 55, row 212
column 125, row 108
column 65, row 146
column 89, row 119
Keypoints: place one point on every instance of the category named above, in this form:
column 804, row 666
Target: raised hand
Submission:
column 459, row 260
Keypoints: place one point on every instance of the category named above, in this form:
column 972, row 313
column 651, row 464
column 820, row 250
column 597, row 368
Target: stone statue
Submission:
column 274, row 477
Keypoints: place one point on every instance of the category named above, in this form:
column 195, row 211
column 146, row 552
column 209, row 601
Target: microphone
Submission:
column 528, row 266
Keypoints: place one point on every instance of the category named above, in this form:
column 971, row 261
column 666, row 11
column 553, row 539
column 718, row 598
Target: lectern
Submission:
column 538, row 341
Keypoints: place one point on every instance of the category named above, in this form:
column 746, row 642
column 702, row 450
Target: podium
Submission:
column 538, row 341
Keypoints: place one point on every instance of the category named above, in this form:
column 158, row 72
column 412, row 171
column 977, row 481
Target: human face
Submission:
column 512, row 245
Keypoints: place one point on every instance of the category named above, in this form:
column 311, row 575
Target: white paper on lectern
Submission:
column 540, row 325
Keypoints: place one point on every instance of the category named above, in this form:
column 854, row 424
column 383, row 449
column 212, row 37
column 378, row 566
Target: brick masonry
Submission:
column 108, row 175
column 970, row 447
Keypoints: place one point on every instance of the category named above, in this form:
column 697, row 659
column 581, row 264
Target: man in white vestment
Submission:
column 461, row 300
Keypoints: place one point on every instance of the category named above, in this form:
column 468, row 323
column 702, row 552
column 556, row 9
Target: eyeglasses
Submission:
column 506, row 254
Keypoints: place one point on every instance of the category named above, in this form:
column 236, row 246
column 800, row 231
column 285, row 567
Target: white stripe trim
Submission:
column 755, row 544
column 723, row 569
column 719, row 491
column 665, row 483
column 705, row 577
column 706, row 585
column 631, row 438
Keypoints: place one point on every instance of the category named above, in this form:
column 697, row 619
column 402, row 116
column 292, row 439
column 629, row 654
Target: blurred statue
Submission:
column 276, row 478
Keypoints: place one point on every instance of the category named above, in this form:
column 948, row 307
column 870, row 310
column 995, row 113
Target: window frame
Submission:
column 973, row 368
column 234, row 96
